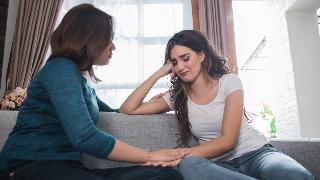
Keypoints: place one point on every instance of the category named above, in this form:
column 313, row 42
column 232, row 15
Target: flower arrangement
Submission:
column 14, row 100
column 267, row 114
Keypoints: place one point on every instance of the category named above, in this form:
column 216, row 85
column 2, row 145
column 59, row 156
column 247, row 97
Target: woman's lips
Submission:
column 184, row 73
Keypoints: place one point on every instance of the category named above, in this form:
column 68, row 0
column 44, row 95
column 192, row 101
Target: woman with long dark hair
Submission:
column 58, row 119
column 208, row 103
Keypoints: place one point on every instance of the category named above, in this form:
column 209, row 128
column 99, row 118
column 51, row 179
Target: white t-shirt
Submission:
column 206, row 120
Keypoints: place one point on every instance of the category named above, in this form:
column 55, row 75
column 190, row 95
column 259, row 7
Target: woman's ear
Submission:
column 202, row 56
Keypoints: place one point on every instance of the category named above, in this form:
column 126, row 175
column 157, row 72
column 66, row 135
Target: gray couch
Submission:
column 159, row 131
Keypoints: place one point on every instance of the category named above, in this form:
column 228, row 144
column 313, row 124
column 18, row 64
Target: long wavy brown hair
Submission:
column 83, row 34
column 213, row 64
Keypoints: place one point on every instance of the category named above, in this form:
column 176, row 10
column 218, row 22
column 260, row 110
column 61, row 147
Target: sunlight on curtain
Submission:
column 142, row 29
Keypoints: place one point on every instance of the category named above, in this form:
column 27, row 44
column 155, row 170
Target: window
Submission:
column 318, row 15
column 264, row 60
column 142, row 29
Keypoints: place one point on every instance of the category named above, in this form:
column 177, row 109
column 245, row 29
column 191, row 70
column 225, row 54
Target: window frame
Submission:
column 142, row 40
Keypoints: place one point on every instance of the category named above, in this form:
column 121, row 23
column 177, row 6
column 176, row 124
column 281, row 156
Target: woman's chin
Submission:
column 103, row 63
column 186, row 80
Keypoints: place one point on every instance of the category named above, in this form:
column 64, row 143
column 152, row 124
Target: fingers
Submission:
column 181, row 151
column 169, row 63
column 170, row 154
column 173, row 74
column 174, row 163
column 167, row 157
column 165, row 69
column 178, row 153
column 163, row 164
column 153, row 163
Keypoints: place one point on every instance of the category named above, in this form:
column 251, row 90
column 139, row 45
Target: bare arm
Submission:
column 134, row 103
column 127, row 153
column 231, row 124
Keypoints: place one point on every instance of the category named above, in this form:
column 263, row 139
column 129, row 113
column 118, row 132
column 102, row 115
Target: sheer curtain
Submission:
column 142, row 29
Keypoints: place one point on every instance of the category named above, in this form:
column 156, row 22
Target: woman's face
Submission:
column 186, row 62
column 106, row 55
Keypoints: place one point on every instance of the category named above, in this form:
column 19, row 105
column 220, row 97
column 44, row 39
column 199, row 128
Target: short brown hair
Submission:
column 82, row 36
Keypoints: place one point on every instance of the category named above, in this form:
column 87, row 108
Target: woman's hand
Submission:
column 174, row 163
column 134, row 103
column 167, row 157
column 165, row 69
column 168, row 154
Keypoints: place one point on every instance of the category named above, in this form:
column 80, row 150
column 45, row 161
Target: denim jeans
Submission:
column 265, row 163
column 73, row 170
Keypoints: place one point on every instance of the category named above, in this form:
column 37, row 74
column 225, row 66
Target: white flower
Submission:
column 13, row 97
column 19, row 91
column 12, row 105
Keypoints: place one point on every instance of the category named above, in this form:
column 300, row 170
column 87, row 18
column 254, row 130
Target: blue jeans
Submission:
column 73, row 170
column 265, row 163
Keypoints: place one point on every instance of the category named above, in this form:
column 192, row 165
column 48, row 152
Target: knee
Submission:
column 191, row 167
column 193, row 160
column 190, row 163
column 293, row 174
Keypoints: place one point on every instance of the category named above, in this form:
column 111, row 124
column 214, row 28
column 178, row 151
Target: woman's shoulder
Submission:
column 230, row 78
column 61, row 62
column 229, row 83
column 59, row 67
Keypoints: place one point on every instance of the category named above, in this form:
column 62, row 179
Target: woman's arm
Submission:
column 127, row 153
column 134, row 103
column 231, row 124
column 78, row 125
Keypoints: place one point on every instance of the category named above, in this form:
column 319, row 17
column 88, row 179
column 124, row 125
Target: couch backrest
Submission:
column 150, row 132
column 7, row 122
column 159, row 131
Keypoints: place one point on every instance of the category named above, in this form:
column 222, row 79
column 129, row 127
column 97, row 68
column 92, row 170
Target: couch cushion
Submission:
column 150, row 132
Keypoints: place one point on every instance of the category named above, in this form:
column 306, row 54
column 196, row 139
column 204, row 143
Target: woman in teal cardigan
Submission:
column 58, row 120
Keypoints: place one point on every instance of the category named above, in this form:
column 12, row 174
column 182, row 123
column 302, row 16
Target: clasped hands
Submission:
column 167, row 157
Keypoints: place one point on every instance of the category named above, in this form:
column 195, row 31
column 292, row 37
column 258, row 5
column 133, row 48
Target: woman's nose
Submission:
column 180, row 67
column 113, row 47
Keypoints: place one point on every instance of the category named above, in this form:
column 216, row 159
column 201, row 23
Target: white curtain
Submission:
column 142, row 29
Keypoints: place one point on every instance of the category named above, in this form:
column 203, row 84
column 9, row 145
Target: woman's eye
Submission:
column 186, row 59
